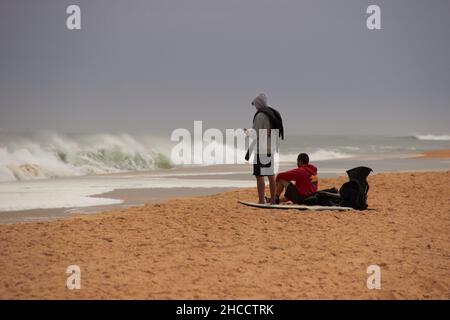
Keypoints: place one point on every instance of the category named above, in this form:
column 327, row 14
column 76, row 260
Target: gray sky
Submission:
column 154, row 65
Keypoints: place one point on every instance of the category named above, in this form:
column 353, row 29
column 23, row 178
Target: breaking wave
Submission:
column 318, row 155
column 431, row 137
column 54, row 155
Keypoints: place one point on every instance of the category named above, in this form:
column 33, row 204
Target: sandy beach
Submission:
column 133, row 137
column 211, row 247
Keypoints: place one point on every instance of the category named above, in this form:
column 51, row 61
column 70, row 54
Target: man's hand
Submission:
column 314, row 179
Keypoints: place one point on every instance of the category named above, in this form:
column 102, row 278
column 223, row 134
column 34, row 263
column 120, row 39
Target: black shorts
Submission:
column 292, row 194
column 263, row 169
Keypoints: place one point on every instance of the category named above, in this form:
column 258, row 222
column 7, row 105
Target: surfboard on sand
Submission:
column 294, row 206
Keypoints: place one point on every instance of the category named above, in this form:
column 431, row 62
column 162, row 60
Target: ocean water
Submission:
column 44, row 155
column 327, row 147
column 52, row 170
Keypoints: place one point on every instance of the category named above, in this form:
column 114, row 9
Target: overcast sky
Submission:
column 155, row 65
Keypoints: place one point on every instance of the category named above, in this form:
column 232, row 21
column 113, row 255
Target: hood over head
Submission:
column 260, row 101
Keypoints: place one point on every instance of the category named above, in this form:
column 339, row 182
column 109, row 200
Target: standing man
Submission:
column 267, row 125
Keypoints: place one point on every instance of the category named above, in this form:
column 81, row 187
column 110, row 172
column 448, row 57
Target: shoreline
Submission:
column 210, row 247
column 430, row 161
column 134, row 198
column 130, row 197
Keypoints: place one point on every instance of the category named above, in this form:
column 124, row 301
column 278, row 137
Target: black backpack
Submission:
column 326, row 197
column 354, row 192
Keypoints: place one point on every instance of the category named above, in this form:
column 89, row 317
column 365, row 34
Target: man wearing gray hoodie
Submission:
column 263, row 165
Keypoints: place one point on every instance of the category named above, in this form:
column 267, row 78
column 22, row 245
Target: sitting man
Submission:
column 305, row 178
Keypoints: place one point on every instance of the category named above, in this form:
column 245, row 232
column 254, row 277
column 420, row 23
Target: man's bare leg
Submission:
column 260, row 184
column 273, row 189
column 281, row 185
column 280, row 188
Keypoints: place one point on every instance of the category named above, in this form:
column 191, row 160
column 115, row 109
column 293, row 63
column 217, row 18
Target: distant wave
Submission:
column 431, row 137
column 318, row 155
column 54, row 155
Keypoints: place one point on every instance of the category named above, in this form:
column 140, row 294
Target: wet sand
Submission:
column 436, row 154
column 210, row 247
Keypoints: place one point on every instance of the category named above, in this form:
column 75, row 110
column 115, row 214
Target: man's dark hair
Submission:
column 303, row 158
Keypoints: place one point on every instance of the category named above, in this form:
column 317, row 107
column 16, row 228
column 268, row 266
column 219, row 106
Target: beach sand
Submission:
column 437, row 154
column 211, row 247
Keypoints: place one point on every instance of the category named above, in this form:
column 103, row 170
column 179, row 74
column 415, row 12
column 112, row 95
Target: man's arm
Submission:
column 287, row 175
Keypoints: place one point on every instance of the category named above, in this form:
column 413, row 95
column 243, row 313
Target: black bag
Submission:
column 354, row 192
column 326, row 197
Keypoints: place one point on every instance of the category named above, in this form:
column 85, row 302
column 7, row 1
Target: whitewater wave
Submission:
column 318, row 155
column 53, row 155
column 79, row 193
column 431, row 137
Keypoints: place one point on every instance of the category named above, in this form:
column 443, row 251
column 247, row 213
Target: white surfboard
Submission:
column 294, row 206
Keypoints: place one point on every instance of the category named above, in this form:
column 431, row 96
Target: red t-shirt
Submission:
column 302, row 177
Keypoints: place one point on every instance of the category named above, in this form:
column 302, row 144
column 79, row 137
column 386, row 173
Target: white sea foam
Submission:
column 317, row 155
column 77, row 192
column 431, row 137
column 51, row 155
